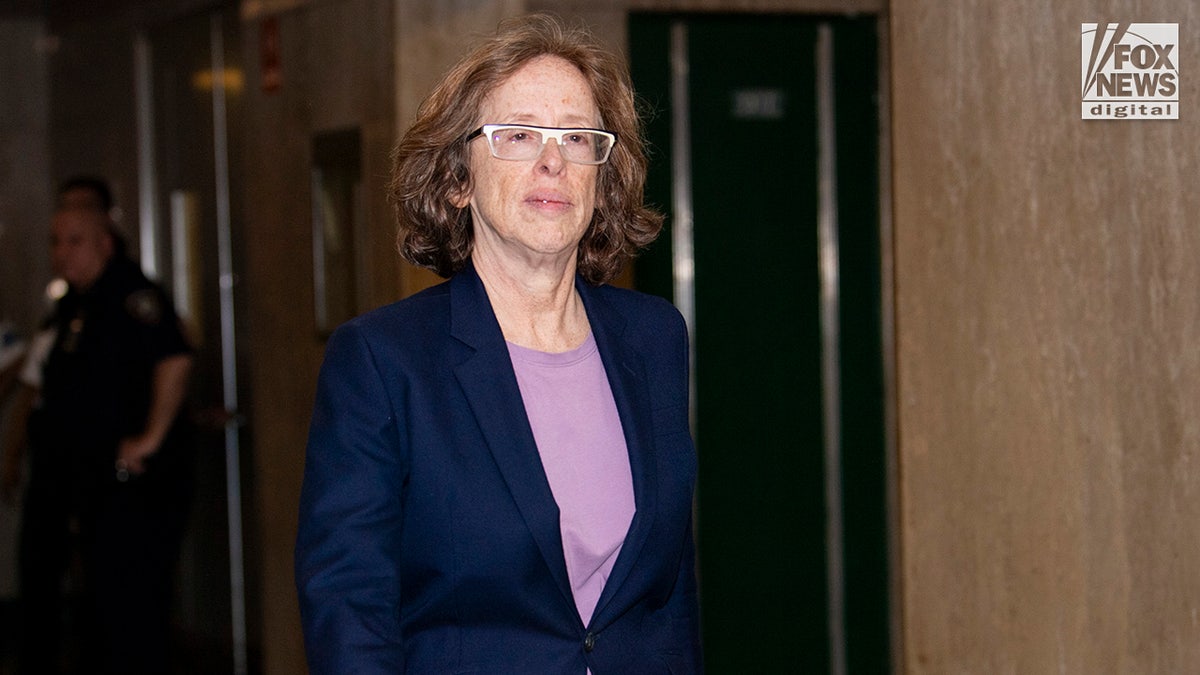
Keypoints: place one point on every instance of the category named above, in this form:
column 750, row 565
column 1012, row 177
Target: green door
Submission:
column 789, row 414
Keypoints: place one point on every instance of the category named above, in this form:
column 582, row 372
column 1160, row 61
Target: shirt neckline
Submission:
column 567, row 358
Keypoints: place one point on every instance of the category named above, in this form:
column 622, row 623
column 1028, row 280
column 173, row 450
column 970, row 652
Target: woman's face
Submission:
column 534, row 210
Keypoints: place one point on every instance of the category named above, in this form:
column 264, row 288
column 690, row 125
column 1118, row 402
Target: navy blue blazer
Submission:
column 429, row 539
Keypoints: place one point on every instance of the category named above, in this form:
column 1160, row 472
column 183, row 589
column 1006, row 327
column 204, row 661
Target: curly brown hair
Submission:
column 430, row 163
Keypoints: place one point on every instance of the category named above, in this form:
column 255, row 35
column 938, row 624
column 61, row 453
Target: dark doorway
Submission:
column 765, row 141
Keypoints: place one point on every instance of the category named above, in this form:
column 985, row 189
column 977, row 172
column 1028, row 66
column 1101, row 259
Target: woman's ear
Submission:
column 460, row 196
column 463, row 188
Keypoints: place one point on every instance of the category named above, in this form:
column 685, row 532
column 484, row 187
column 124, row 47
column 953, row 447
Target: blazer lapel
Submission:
column 491, row 388
column 626, row 376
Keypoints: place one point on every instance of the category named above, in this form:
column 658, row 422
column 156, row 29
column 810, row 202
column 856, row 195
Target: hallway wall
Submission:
column 1047, row 301
column 336, row 72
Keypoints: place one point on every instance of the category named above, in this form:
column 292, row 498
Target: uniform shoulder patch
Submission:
column 145, row 306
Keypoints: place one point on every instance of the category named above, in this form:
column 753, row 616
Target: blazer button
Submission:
column 589, row 642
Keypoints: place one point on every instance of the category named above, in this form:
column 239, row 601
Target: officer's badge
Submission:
column 70, row 341
column 145, row 306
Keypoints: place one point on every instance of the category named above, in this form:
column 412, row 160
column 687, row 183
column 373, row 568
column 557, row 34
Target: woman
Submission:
column 499, row 474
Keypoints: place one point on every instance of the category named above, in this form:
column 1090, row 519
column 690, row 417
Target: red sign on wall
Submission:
column 268, row 51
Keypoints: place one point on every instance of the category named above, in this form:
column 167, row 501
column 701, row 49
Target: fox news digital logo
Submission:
column 1130, row 71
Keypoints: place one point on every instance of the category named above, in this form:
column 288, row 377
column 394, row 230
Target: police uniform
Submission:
column 97, row 388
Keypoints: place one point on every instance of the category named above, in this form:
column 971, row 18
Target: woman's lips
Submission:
column 548, row 199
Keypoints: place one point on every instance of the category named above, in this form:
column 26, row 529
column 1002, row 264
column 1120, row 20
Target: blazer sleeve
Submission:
column 684, row 605
column 348, row 543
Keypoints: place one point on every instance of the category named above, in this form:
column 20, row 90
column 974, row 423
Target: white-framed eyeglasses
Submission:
column 519, row 142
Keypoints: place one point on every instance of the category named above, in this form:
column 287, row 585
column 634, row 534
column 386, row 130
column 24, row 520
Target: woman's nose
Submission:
column 551, row 158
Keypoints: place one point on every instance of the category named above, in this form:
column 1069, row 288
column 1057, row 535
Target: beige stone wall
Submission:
column 337, row 72
column 1048, row 315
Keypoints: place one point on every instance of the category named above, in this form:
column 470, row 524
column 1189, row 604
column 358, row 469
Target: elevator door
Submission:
column 788, row 376
column 190, row 89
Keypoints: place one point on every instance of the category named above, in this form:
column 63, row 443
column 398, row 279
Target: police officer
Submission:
column 109, row 457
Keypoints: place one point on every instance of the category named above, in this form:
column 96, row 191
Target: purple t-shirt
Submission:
column 578, row 432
